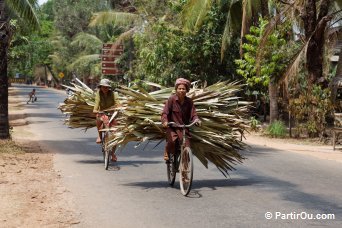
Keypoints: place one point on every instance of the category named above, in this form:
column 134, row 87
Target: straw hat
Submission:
column 104, row 82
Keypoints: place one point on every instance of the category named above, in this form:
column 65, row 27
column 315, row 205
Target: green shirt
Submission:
column 103, row 102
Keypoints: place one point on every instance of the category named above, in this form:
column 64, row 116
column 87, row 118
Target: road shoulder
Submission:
column 295, row 146
column 32, row 192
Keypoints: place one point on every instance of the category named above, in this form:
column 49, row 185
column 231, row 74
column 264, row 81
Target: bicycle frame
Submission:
column 183, row 126
column 105, row 133
column 112, row 116
column 183, row 163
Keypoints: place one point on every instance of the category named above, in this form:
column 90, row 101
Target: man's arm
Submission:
column 116, row 99
column 165, row 113
column 97, row 102
column 194, row 116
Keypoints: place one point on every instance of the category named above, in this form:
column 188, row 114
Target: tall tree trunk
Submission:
column 314, row 56
column 309, row 18
column 273, row 94
column 264, row 8
column 273, row 85
column 4, row 39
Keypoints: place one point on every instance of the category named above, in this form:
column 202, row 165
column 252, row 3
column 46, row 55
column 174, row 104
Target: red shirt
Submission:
column 179, row 113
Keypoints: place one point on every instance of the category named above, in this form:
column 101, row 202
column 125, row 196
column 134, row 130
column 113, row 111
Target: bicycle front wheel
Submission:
column 106, row 150
column 186, row 170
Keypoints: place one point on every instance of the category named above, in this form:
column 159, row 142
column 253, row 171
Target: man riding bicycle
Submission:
column 104, row 100
column 179, row 109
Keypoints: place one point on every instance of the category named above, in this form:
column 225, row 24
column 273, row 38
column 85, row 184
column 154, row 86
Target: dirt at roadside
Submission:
column 31, row 191
column 296, row 146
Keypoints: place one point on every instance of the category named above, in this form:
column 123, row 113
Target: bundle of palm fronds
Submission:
column 217, row 140
column 78, row 106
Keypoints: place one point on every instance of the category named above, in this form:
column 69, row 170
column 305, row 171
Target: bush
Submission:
column 276, row 129
column 254, row 124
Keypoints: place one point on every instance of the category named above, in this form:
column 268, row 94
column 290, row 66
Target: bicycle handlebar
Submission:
column 106, row 113
column 182, row 125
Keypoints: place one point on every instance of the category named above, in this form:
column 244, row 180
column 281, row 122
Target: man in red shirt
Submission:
column 179, row 109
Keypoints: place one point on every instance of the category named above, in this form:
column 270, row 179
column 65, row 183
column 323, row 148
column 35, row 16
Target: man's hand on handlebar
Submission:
column 196, row 122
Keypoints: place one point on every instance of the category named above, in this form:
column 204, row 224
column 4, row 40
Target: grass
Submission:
column 277, row 129
column 9, row 146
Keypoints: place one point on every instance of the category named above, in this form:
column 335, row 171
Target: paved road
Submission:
column 134, row 192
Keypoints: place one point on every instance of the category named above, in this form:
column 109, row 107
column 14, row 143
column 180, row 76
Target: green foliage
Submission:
column 254, row 124
column 24, row 11
column 177, row 5
column 276, row 129
column 164, row 52
column 77, row 46
column 275, row 54
column 309, row 105
column 310, row 108
column 152, row 8
column 46, row 11
column 156, row 60
column 30, row 48
column 73, row 16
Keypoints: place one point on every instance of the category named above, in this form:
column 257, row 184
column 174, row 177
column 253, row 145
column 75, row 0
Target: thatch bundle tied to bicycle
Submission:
column 218, row 139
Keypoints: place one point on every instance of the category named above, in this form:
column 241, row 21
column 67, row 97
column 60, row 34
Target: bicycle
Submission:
column 32, row 98
column 106, row 133
column 181, row 161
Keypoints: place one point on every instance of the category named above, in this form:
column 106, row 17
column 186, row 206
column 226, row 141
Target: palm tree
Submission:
column 247, row 13
column 313, row 16
column 25, row 10
column 241, row 14
column 314, row 20
column 86, row 62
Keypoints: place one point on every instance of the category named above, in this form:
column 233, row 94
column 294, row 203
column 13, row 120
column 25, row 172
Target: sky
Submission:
column 41, row 1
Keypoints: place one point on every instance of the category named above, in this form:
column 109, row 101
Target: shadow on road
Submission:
column 134, row 163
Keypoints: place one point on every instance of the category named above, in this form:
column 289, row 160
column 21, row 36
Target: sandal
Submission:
column 98, row 140
column 166, row 156
column 114, row 158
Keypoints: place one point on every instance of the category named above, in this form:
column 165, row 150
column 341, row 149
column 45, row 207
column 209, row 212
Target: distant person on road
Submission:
column 32, row 96
column 104, row 100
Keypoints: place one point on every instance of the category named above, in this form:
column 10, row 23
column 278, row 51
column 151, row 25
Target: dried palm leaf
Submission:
column 224, row 119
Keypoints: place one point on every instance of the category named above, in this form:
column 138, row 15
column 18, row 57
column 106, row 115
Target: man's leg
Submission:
column 114, row 158
column 169, row 148
column 99, row 127
column 166, row 156
column 171, row 138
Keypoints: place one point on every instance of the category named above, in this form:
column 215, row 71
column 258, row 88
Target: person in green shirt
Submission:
column 104, row 100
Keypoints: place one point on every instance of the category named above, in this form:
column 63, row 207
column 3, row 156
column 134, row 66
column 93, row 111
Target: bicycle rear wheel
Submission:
column 186, row 170
column 171, row 168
